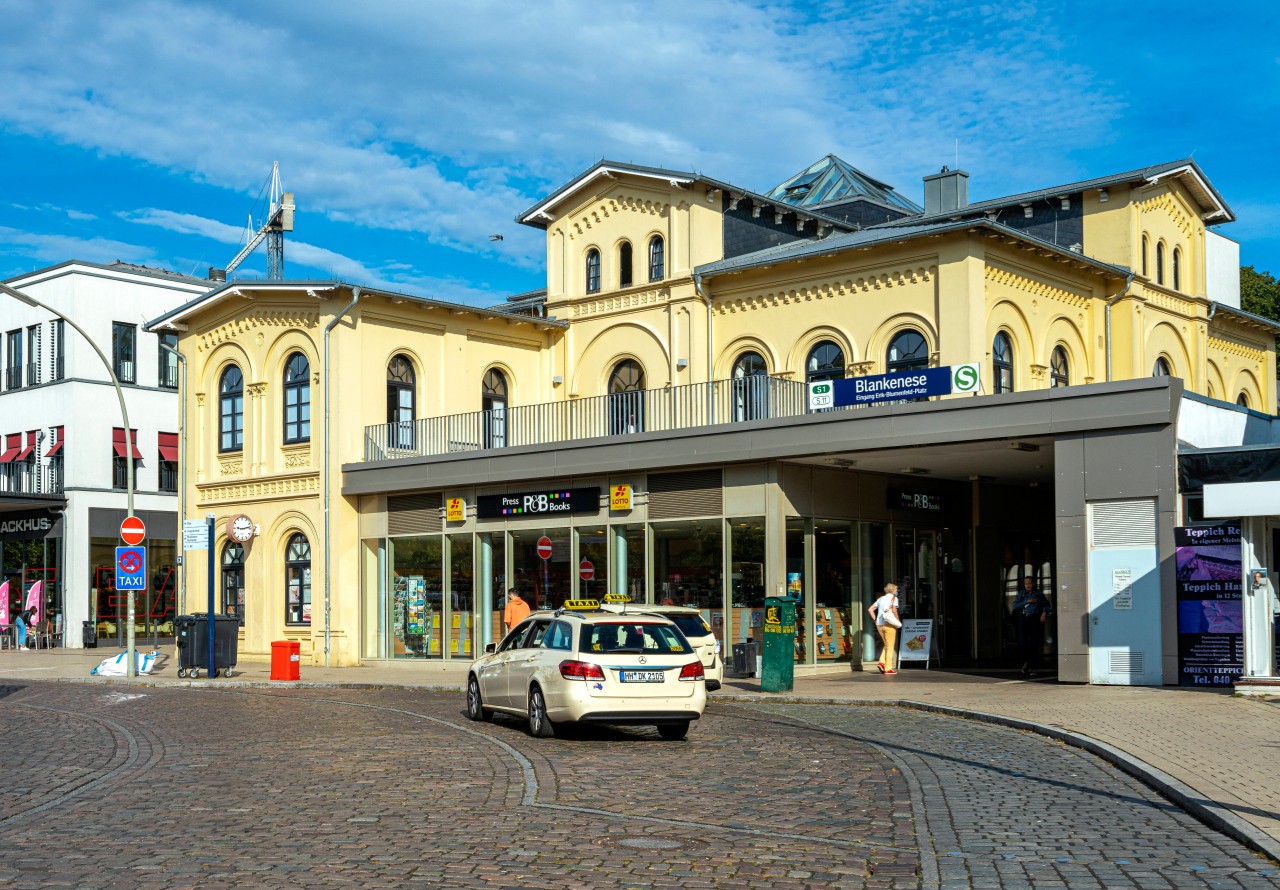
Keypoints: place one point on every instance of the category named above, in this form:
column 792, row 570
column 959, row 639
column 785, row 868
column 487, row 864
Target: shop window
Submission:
column 497, row 577
column 124, row 347
column 593, row 547
column 1160, row 262
column 747, row 574
column 1002, row 362
column 593, row 271
column 626, row 398
column 1161, row 368
column 688, row 565
column 297, row 580
column 297, row 399
column 1059, row 368
column 657, row 258
column 833, row 606
column 750, row 387
column 401, row 401
column 462, row 599
column 908, row 351
column 628, row 563
column 1177, row 268
column 417, row 596
column 231, row 410
column 233, row 580
column 825, row 362
column 493, row 405
column 624, row 264
column 798, row 584
column 543, row 583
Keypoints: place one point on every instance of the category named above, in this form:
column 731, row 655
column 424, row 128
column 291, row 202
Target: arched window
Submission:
column 657, row 259
column 233, row 580
column 1160, row 262
column 231, row 410
column 297, row 581
column 1161, row 368
column 593, row 271
column 1002, row 362
column 826, row 362
column 401, row 402
column 1177, row 268
column 1243, row 400
column 493, row 405
column 750, row 387
column 908, row 351
column 1059, row 368
column 297, row 399
column 624, row 264
column 626, row 398
column 1146, row 249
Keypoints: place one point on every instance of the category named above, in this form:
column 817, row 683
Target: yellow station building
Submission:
column 384, row 454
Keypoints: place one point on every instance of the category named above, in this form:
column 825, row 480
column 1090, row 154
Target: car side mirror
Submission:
column 490, row 648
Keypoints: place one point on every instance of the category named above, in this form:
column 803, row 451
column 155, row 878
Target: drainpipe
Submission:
column 355, row 298
column 1111, row 302
column 697, row 286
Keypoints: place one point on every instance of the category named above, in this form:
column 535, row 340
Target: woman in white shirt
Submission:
column 885, row 613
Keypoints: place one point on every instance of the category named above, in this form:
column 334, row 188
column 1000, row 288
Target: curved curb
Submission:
column 1210, row 812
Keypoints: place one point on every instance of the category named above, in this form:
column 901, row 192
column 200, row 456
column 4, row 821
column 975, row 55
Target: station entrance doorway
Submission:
column 931, row 571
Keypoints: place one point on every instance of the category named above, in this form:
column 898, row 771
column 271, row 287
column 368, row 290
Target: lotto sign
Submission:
column 131, row 568
column 586, row 571
column 456, row 510
column 620, row 497
column 544, row 547
column 133, row 531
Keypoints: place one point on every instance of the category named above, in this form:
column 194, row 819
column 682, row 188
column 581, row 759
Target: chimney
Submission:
column 216, row 274
column 946, row 191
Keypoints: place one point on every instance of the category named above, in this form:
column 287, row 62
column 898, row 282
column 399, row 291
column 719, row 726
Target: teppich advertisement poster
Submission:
column 1210, row 609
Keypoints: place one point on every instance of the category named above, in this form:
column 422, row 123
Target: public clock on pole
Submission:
column 240, row 528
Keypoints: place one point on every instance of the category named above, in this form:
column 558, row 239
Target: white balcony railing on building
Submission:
column 619, row 414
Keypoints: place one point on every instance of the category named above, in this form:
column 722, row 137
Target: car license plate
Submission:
column 642, row 676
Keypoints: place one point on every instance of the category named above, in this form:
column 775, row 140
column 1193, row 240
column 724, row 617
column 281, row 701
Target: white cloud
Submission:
column 57, row 248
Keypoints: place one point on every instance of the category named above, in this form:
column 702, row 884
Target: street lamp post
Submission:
column 128, row 437
column 182, row 462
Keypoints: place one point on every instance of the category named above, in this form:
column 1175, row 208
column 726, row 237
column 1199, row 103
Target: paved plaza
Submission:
column 245, row 786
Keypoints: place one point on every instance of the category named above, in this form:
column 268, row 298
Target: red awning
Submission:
column 12, row 446
column 32, row 438
column 169, row 447
column 57, row 443
column 117, row 439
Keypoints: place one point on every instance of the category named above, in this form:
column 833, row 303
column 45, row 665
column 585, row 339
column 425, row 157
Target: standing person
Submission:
column 1031, row 607
column 885, row 612
column 517, row 609
column 24, row 620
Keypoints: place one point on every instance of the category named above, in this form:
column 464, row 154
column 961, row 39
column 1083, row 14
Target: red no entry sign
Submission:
column 544, row 547
column 586, row 571
column 133, row 531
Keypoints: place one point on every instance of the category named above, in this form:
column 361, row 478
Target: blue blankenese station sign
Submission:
column 898, row 386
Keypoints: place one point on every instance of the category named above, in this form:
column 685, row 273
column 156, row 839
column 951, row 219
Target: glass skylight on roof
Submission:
column 831, row 180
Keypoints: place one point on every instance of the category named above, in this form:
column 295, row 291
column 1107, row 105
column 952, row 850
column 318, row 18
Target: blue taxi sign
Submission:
column 131, row 568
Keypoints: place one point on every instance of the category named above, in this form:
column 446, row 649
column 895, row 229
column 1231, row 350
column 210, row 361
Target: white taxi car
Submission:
column 581, row 664
column 691, row 624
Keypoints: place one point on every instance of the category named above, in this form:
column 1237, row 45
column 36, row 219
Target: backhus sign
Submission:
column 538, row 503
column 900, row 385
column 26, row 526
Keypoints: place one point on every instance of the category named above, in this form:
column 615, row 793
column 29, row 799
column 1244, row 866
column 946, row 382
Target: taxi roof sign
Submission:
column 581, row 605
column 617, row 597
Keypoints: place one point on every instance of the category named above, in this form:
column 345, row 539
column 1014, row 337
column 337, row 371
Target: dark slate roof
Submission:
column 532, row 216
column 117, row 266
column 832, row 180
column 1199, row 185
column 884, row 234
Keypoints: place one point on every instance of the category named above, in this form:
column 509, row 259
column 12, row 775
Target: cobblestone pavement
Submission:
column 187, row 787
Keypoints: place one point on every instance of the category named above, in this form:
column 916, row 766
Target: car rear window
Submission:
column 633, row 637
column 691, row 625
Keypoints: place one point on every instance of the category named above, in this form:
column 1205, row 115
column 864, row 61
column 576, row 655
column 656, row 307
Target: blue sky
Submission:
column 144, row 130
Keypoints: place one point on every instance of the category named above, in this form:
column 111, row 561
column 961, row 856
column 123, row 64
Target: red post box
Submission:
column 286, row 659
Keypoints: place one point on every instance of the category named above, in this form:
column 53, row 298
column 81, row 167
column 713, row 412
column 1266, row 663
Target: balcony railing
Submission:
column 30, row 479
column 33, row 373
column 620, row 414
column 13, row 377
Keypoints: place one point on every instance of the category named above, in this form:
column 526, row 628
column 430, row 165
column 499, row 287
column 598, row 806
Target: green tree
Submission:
column 1259, row 293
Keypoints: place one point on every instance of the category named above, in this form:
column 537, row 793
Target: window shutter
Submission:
column 414, row 514
column 698, row 493
column 1122, row 525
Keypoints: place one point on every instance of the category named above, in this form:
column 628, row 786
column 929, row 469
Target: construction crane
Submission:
column 279, row 219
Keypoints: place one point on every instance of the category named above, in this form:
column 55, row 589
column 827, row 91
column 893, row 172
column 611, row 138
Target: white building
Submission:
column 62, row 469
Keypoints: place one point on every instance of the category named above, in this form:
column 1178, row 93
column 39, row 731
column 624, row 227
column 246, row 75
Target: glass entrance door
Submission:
column 915, row 571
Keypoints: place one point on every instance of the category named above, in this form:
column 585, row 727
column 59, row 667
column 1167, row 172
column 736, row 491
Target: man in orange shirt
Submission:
column 517, row 609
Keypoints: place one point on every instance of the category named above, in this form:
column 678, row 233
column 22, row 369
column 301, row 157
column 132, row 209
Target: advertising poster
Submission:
column 915, row 639
column 1210, row 608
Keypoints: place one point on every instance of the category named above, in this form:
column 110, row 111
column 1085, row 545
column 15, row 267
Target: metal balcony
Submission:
column 30, row 479
column 619, row 414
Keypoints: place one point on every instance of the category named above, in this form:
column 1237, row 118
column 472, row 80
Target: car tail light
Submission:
column 693, row 671
column 580, row 670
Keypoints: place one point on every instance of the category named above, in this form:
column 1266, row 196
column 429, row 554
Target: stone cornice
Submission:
column 826, row 290
column 259, row 318
column 1019, row 282
column 305, row 485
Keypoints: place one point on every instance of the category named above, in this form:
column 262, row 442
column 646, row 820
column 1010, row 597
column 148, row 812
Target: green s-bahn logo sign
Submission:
column 965, row 378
